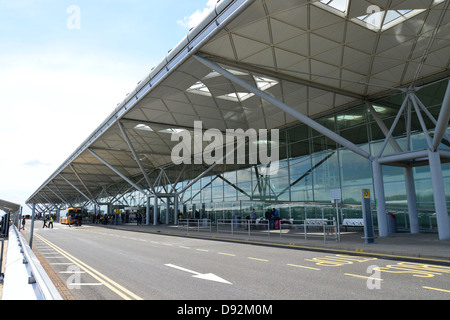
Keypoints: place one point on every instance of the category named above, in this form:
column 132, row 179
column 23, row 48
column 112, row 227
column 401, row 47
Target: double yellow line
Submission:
column 107, row 282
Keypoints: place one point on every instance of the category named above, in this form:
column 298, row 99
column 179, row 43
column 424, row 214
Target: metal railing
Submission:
column 43, row 286
column 309, row 228
column 195, row 225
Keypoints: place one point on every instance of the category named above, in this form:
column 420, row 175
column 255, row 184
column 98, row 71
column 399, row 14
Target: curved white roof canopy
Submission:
column 315, row 56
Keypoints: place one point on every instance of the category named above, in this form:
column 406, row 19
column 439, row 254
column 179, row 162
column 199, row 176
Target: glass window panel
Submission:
column 326, row 169
column 327, row 122
column 395, row 193
column 322, row 143
column 217, row 194
column 299, row 149
column 244, row 175
column 230, row 176
column 418, row 141
column 355, row 170
column 387, row 107
column 305, row 195
column 351, row 118
column 357, row 135
column 297, row 133
column 217, row 182
column 391, row 174
column 229, row 192
column 206, row 194
column 433, row 95
column 352, row 194
column 301, row 173
column 424, row 192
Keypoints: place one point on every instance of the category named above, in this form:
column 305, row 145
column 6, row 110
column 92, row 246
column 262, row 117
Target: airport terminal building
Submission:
column 329, row 97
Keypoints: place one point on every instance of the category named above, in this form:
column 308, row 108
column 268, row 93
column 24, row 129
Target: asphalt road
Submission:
column 105, row 264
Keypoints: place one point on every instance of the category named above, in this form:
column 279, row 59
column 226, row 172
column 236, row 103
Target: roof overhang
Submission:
column 304, row 53
column 9, row 207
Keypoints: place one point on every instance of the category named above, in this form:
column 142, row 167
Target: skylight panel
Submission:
column 171, row 130
column 200, row 88
column 143, row 127
column 340, row 5
column 377, row 18
column 386, row 19
column 262, row 83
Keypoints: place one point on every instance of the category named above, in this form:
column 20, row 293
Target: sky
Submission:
column 64, row 67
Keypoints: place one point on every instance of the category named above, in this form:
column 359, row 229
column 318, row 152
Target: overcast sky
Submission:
column 64, row 67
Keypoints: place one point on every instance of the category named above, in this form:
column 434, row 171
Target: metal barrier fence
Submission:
column 322, row 228
column 195, row 225
column 309, row 228
column 41, row 284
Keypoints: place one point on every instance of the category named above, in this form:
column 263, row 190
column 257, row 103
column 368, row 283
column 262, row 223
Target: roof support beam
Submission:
column 383, row 127
column 82, row 182
column 64, row 199
column 282, row 76
column 135, row 155
column 118, row 173
column 391, row 131
column 296, row 114
column 79, row 191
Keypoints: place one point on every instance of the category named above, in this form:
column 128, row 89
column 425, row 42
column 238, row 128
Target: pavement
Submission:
column 422, row 247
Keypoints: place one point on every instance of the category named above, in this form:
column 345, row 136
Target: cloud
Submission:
column 194, row 19
column 36, row 163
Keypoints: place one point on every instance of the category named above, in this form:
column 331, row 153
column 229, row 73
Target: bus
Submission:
column 70, row 213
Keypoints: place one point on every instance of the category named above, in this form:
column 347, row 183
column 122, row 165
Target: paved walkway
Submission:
column 421, row 247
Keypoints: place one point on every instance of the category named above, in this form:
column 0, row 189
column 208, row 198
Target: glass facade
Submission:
column 312, row 165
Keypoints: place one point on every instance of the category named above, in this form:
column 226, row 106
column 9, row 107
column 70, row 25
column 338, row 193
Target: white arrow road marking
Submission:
column 206, row 276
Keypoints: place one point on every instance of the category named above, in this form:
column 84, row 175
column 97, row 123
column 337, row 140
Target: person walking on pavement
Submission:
column 45, row 222
column 50, row 222
column 23, row 224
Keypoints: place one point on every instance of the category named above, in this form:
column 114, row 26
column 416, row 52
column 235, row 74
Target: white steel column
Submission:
column 380, row 199
column 147, row 211
column 175, row 209
column 442, row 122
column 408, row 171
column 439, row 195
column 155, row 210
column 412, row 200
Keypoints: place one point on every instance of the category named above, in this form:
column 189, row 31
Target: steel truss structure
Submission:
column 268, row 64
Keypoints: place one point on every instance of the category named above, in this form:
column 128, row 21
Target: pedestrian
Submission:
column 253, row 216
column 50, row 222
column 272, row 219
column 276, row 219
column 69, row 218
column 45, row 222
column 23, row 224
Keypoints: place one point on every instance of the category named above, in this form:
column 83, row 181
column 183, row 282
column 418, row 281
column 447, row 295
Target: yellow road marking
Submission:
column 227, row 254
column 364, row 277
column 257, row 259
column 437, row 289
column 113, row 286
column 297, row 266
column 203, row 250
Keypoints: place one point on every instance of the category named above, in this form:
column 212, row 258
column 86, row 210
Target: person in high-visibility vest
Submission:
column 50, row 222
